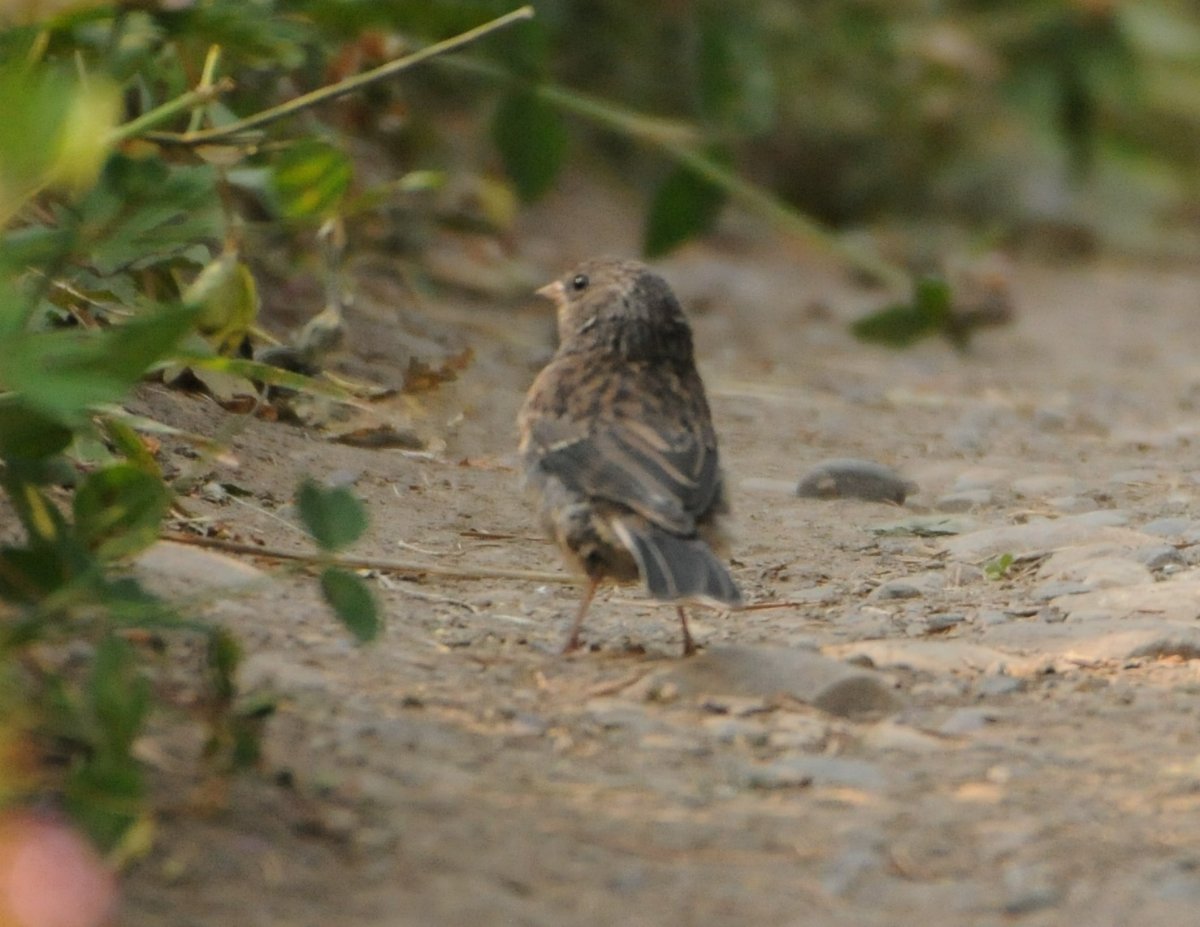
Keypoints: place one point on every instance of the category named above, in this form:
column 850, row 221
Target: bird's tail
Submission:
column 677, row 568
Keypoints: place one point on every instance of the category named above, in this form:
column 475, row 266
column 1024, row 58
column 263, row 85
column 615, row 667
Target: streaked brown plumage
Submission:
column 617, row 441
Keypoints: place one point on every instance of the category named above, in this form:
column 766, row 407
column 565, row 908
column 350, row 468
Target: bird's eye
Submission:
column 579, row 282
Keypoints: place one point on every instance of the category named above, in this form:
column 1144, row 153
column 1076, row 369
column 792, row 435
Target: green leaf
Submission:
column 131, row 606
column 129, row 443
column 29, row 574
column 736, row 83
column 106, row 797
column 998, row 567
column 33, row 107
column 119, row 695
column 352, row 601
column 42, row 520
column 903, row 324
column 310, row 179
column 104, row 790
column 685, row 205
column 63, row 374
column 224, row 655
column 144, row 211
column 532, row 140
column 258, row 372
column 118, row 510
column 334, row 517
column 28, row 433
column 225, row 298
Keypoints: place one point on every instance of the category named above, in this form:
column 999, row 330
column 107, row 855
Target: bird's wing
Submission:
column 670, row 477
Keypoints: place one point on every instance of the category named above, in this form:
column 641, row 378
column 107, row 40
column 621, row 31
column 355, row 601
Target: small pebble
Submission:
column 966, row 721
column 896, row 589
column 944, row 621
column 966, row 500
column 850, row 478
column 994, row 684
column 1171, row 527
column 1060, row 587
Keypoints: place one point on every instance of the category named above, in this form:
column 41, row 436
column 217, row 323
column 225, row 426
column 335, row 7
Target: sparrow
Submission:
column 618, row 446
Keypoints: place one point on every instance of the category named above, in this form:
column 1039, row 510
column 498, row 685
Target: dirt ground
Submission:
column 1041, row 764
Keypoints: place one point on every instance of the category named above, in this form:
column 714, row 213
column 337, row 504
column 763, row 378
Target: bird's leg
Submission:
column 689, row 645
column 573, row 638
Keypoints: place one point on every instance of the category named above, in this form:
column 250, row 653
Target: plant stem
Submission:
column 681, row 142
column 159, row 114
column 797, row 223
column 206, row 81
column 406, row 567
column 341, row 88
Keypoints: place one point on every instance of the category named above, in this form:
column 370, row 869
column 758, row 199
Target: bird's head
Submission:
column 621, row 306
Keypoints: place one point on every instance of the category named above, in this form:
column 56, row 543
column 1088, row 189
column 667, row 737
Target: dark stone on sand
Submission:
column 850, row 478
column 767, row 672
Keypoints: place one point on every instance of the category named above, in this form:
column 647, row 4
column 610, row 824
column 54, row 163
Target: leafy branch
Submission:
column 682, row 144
column 341, row 88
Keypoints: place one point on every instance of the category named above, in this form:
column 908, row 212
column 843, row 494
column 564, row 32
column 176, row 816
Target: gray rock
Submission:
column 931, row 656
column 1139, row 476
column 1052, row 589
column 889, row 735
column 1172, row 527
column 613, row 714
column 1099, row 640
column 966, row 721
column 1028, row 889
column 276, row 672
column 1160, row 557
column 734, row 730
column 167, row 564
column 212, row 491
column 1050, row 418
column 768, row 672
column 794, row 731
column 816, row 595
column 1180, row 881
column 994, row 684
column 1047, row 485
column 862, row 860
column 1177, row 599
column 865, row 623
column 850, row 478
column 944, row 621
column 897, row 589
column 1039, row 537
column 966, row 500
column 1101, row 518
column 1071, row 505
column 805, row 769
column 1052, row 614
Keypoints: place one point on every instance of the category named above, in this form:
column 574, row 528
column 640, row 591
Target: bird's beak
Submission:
column 553, row 291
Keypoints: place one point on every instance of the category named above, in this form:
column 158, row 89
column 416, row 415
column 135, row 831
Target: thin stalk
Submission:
column 160, row 114
column 341, row 88
column 206, row 80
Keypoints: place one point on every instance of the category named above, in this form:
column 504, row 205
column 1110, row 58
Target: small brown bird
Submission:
column 618, row 442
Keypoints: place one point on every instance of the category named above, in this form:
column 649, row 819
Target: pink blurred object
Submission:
column 50, row 876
